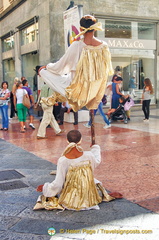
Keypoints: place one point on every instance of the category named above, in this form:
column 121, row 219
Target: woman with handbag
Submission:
column 4, row 98
column 18, row 103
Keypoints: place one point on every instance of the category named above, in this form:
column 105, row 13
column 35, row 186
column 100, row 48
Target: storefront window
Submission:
column 129, row 30
column 138, row 67
column 9, row 71
column 133, row 49
column 136, row 64
column 29, row 62
column 29, row 34
column 146, row 31
column 8, row 44
column 117, row 29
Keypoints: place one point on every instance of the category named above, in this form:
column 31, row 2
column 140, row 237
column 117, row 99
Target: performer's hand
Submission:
column 92, row 144
column 40, row 70
column 68, row 110
column 40, row 188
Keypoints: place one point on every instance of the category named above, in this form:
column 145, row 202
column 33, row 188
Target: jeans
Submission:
column 146, row 108
column 100, row 109
column 4, row 113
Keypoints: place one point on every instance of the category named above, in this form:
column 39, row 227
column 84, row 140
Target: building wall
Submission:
column 6, row 4
column 28, row 10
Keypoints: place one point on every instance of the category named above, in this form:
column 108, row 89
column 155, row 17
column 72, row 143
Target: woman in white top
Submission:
column 4, row 98
column 18, row 103
column 146, row 98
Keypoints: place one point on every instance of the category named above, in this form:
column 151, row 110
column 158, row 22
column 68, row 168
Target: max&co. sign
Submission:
column 130, row 43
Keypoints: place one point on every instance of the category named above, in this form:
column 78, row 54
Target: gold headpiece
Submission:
column 97, row 26
column 70, row 146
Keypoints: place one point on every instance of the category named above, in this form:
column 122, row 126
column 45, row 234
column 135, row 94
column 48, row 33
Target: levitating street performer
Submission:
column 81, row 74
column 74, row 187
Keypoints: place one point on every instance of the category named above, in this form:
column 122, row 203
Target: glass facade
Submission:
column 133, row 49
column 29, row 62
column 29, row 34
column 122, row 29
column 8, row 44
column 117, row 29
column 138, row 67
column 9, row 71
column 146, row 31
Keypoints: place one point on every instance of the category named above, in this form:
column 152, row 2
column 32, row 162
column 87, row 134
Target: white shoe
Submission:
column 31, row 125
column 107, row 126
column 146, row 120
column 86, row 125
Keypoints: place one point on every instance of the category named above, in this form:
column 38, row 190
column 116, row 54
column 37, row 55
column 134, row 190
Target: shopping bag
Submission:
column 128, row 104
column 26, row 101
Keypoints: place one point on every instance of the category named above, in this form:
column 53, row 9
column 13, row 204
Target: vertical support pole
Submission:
column 91, row 112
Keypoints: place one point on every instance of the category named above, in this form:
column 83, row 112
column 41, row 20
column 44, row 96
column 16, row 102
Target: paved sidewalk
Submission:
column 129, row 165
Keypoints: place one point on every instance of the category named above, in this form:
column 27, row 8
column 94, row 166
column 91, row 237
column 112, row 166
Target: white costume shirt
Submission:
column 60, row 74
column 54, row 188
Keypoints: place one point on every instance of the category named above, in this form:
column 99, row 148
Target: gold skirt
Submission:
column 79, row 191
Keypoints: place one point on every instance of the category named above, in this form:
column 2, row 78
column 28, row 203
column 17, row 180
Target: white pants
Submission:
column 48, row 118
column 132, row 92
column 56, row 82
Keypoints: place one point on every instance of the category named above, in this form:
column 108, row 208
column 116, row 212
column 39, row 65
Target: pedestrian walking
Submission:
column 100, row 109
column 48, row 119
column 4, row 99
column 146, row 98
column 12, row 108
column 30, row 111
column 18, row 103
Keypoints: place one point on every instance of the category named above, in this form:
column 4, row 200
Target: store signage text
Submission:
column 131, row 44
column 125, row 44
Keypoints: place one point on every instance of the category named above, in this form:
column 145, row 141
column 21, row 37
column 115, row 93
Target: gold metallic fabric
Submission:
column 89, row 83
column 48, row 203
column 105, row 196
column 50, row 101
column 79, row 191
column 60, row 98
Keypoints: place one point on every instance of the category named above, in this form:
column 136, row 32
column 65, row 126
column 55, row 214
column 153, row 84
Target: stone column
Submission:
column 17, row 50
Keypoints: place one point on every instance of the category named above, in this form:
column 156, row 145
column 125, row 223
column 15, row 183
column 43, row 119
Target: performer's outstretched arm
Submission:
column 67, row 62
